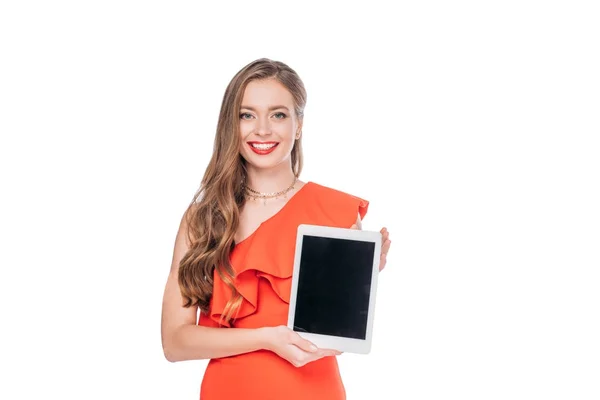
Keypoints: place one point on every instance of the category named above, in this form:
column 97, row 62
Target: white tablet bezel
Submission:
column 343, row 344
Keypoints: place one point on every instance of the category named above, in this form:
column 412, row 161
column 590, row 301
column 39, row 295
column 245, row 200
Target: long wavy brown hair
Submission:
column 213, row 214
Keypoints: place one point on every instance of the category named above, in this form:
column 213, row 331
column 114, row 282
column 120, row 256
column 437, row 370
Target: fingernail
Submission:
column 313, row 347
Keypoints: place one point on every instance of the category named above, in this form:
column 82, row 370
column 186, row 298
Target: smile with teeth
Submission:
column 263, row 146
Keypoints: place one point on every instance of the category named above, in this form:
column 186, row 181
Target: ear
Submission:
column 299, row 130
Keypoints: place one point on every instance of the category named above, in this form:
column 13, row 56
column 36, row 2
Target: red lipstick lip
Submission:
column 260, row 151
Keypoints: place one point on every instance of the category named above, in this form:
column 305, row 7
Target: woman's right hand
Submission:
column 290, row 346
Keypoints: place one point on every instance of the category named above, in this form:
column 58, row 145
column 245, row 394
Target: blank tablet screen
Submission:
column 334, row 285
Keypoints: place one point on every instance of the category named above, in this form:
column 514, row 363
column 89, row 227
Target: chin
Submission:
column 269, row 161
column 263, row 164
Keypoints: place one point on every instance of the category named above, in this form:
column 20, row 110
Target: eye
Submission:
column 280, row 115
column 245, row 116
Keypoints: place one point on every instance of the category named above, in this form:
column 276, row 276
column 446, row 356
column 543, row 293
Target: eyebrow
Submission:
column 270, row 108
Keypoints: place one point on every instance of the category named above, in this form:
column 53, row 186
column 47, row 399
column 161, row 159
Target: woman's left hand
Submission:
column 385, row 246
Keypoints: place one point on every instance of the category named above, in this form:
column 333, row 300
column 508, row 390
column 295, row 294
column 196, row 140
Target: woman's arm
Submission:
column 183, row 340
column 187, row 341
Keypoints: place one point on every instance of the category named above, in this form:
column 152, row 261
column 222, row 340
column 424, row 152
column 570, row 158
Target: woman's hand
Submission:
column 288, row 345
column 385, row 245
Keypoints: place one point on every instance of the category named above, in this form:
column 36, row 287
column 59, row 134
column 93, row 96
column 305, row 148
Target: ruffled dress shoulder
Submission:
column 268, row 253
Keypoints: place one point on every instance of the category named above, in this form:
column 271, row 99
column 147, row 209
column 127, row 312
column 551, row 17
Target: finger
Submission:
column 386, row 246
column 320, row 354
column 385, row 234
column 306, row 358
column 329, row 352
column 304, row 344
column 354, row 226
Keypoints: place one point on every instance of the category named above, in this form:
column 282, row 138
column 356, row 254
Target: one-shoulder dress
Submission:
column 263, row 264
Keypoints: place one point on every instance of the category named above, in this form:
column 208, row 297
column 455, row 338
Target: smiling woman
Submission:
column 234, row 251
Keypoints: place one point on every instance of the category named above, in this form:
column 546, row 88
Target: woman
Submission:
column 233, row 254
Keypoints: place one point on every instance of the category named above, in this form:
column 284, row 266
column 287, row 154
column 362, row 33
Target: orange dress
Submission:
column 263, row 264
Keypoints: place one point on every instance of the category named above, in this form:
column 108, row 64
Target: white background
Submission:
column 471, row 126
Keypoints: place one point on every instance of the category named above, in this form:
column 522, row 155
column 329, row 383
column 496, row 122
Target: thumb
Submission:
column 304, row 344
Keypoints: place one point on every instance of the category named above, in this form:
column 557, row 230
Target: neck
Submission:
column 272, row 180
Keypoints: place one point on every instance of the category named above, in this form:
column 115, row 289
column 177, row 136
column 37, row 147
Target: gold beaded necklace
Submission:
column 255, row 195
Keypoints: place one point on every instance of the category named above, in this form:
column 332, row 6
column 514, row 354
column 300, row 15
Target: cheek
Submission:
column 245, row 129
column 287, row 130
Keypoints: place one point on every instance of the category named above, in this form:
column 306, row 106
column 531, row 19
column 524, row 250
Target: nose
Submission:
column 263, row 127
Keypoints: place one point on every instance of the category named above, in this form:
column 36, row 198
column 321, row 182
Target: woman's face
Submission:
column 268, row 124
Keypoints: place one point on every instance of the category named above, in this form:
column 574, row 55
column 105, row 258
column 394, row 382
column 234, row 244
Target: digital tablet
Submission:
column 334, row 285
